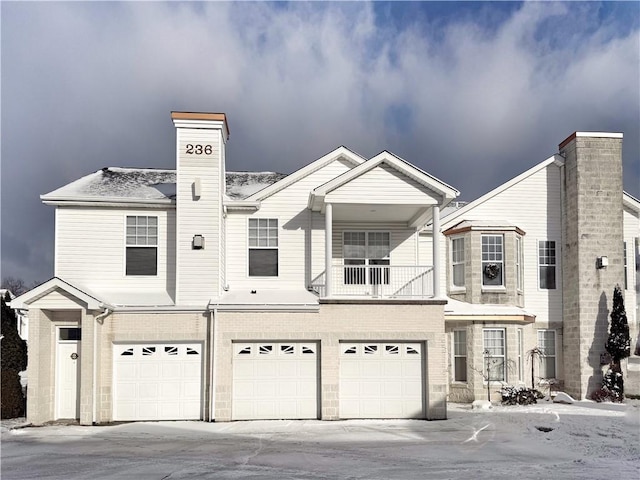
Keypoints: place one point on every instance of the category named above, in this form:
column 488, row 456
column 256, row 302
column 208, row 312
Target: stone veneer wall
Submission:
column 592, row 227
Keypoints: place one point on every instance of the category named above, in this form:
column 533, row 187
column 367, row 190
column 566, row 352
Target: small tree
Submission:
column 13, row 359
column 619, row 347
column 533, row 354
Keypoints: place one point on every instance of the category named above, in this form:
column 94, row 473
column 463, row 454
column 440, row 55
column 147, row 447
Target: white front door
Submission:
column 381, row 380
column 67, row 372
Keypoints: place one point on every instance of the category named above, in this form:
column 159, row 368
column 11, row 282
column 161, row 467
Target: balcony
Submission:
column 377, row 281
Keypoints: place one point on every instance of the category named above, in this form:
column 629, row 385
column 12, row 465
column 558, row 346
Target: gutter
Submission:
column 99, row 320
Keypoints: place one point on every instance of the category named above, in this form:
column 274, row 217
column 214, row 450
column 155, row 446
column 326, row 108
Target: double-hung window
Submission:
column 519, row 279
column 547, row 264
column 142, row 245
column 363, row 252
column 459, row 355
column 624, row 256
column 263, row 247
column 492, row 261
column 457, row 262
column 547, row 346
column 494, row 354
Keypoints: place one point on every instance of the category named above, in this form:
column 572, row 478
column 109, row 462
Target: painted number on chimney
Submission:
column 198, row 149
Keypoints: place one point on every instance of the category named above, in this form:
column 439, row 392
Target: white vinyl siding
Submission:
column 390, row 187
column 90, row 240
column 631, row 232
column 495, row 351
column 547, row 346
column 198, row 275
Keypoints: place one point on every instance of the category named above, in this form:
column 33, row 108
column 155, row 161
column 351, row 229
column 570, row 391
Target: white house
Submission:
column 205, row 294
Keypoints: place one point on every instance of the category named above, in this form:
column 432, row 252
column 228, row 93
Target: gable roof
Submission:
column 341, row 152
column 56, row 283
column 448, row 220
column 630, row 201
column 429, row 181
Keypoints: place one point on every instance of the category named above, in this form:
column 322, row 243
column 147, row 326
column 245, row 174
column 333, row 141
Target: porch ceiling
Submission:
column 374, row 213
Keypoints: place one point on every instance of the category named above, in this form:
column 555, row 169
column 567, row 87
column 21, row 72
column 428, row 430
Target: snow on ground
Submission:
column 584, row 440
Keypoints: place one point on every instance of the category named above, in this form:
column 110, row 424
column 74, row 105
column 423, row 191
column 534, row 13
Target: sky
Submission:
column 472, row 92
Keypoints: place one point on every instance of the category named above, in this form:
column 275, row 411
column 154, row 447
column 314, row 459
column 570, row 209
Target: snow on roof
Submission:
column 117, row 183
column 268, row 299
column 455, row 308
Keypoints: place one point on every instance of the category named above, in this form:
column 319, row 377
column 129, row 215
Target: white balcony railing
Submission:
column 377, row 281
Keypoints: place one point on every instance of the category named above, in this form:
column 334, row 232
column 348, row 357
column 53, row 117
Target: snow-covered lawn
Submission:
column 580, row 441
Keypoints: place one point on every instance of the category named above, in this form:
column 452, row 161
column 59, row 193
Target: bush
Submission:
column 519, row 395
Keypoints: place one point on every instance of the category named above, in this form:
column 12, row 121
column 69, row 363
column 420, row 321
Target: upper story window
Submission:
column 142, row 245
column 457, row 262
column 547, row 264
column 519, row 260
column 263, row 247
column 363, row 251
column 492, row 260
column 624, row 256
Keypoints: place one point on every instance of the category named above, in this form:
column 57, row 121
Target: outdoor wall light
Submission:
column 602, row 262
column 198, row 242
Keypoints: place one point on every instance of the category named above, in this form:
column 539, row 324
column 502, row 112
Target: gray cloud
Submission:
column 474, row 102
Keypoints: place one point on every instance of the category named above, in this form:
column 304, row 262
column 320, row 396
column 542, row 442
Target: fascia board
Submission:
column 630, row 201
column 107, row 202
column 43, row 289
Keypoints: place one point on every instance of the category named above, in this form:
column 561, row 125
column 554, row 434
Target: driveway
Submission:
column 504, row 443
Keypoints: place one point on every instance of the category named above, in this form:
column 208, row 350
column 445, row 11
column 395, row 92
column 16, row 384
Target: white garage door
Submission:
column 157, row 381
column 381, row 380
column 275, row 380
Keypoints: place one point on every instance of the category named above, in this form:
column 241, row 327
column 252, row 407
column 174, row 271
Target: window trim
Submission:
column 625, row 253
column 276, row 248
column 545, row 356
column 454, row 356
column 520, row 353
column 503, row 284
column 452, row 286
column 503, row 356
column 519, row 264
column 554, row 265
column 156, row 246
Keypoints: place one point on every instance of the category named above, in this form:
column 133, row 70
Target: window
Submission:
column 494, row 353
column 369, row 249
column 547, row 264
column 520, row 355
column 624, row 256
column 492, row 261
column 547, row 346
column 519, row 279
column 457, row 262
column 142, row 245
column 459, row 355
column 263, row 247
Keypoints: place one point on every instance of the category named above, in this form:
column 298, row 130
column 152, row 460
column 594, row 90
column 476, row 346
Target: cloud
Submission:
column 472, row 93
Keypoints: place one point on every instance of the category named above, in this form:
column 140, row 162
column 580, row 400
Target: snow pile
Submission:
column 562, row 397
column 241, row 185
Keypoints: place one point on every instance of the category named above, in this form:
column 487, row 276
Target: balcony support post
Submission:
column 436, row 251
column 328, row 247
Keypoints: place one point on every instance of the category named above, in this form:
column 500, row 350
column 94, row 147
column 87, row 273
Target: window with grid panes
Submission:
column 547, row 346
column 547, row 264
column 494, row 345
column 492, row 261
column 457, row 262
column 363, row 252
column 459, row 355
column 141, row 245
column 263, row 247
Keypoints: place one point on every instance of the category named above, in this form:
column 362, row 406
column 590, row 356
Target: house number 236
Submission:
column 198, row 149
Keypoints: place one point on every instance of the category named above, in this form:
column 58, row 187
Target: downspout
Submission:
column 213, row 314
column 99, row 320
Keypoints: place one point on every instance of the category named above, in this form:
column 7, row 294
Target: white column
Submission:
column 328, row 247
column 436, row 251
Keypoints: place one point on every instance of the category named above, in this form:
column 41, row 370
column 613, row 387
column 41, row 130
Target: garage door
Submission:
column 275, row 380
column 381, row 380
column 157, row 381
